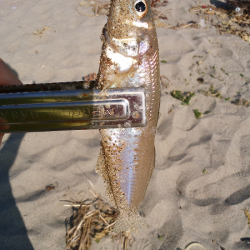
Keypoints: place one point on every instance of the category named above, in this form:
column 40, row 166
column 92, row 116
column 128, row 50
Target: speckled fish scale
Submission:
column 129, row 59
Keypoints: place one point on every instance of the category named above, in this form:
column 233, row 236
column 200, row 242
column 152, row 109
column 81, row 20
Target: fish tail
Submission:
column 126, row 223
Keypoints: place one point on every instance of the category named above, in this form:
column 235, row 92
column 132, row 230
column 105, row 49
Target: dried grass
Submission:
column 40, row 32
column 234, row 21
column 212, row 92
column 242, row 102
column 191, row 24
column 228, row 28
column 243, row 4
column 93, row 219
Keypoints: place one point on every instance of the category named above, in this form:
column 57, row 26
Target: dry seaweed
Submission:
column 243, row 20
column 241, row 102
column 184, row 97
column 40, row 32
column 209, row 10
column 239, row 15
column 197, row 114
column 242, row 5
column 212, row 92
column 191, row 24
column 228, row 28
column 92, row 219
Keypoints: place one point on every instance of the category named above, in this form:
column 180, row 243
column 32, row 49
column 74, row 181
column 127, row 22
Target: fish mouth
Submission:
column 129, row 46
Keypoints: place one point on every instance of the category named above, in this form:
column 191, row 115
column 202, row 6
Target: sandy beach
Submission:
column 200, row 188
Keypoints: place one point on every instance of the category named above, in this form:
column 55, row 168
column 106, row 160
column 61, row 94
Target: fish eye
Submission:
column 141, row 8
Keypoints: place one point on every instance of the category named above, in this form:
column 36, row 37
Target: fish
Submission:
column 129, row 59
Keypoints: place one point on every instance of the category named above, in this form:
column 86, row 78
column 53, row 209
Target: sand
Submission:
column 200, row 186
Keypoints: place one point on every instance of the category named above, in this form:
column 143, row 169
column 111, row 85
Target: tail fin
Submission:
column 133, row 221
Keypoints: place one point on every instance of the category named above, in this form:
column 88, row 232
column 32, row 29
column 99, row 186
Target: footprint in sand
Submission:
column 248, row 64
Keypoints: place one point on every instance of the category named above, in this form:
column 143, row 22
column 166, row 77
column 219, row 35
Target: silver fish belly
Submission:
column 129, row 59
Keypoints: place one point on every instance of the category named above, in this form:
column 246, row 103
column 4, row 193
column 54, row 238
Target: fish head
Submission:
column 130, row 28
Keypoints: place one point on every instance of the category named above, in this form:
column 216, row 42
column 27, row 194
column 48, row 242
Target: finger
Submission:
column 7, row 76
column 1, row 137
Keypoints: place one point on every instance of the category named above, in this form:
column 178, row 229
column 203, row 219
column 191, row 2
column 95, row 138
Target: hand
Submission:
column 7, row 77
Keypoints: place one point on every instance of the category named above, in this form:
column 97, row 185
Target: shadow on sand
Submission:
column 13, row 233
